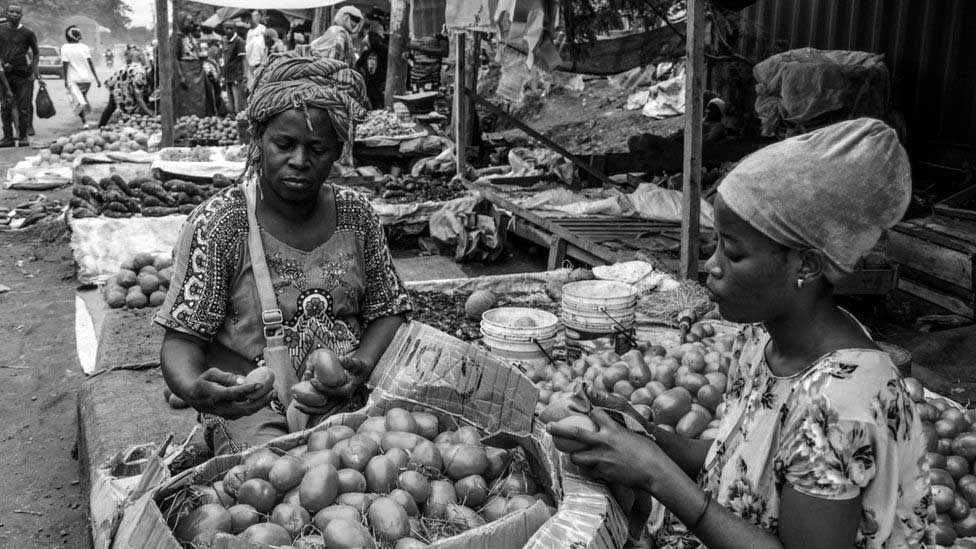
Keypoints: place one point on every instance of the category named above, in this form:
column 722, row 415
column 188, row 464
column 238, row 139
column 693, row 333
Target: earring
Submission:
column 799, row 284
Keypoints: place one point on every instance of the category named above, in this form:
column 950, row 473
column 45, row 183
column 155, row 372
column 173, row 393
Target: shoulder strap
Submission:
column 271, row 314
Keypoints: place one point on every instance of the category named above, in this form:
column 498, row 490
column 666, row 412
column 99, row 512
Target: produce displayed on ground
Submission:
column 407, row 189
column 142, row 281
column 115, row 197
column 950, row 435
column 143, row 122
column 213, row 130
column 680, row 389
column 66, row 149
column 400, row 480
column 384, row 123
column 235, row 153
column 29, row 213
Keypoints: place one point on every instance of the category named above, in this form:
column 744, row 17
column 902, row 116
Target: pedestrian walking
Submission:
column 79, row 71
column 16, row 42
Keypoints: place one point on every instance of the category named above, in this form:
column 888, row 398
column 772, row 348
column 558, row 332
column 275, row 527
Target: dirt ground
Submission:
column 592, row 121
column 43, row 503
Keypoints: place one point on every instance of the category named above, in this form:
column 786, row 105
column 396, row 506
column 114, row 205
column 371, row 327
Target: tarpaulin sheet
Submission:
column 393, row 214
column 800, row 86
column 101, row 244
column 648, row 202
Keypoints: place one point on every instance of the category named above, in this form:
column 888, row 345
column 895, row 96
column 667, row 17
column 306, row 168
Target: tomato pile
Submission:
column 950, row 438
column 398, row 480
column 679, row 388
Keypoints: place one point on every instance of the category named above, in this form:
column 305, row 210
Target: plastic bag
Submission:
column 43, row 106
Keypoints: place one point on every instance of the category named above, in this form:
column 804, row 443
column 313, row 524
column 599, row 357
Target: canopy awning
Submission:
column 272, row 4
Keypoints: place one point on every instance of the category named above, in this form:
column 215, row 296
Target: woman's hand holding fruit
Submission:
column 333, row 377
column 613, row 453
column 228, row 395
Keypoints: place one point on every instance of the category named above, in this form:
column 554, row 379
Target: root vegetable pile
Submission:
column 67, row 149
column 383, row 123
column 680, row 388
column 420, row 189
column 950, row 438
column 191, row 154
column 29, row 213
column 211, row 129
column 142, row 122
column 142, row 281
column 115, row 197
column 399, row 480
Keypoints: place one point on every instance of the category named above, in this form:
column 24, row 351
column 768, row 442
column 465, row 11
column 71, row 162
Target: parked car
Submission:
column 49, row 62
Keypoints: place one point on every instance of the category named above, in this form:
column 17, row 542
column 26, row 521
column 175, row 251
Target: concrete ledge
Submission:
column 123, row 408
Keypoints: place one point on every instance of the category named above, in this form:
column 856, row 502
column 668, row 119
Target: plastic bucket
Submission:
column 591, row 294
column 900, row 356
column 580, row 343
column 526, row 352
column 519, row 324
column 599, row 321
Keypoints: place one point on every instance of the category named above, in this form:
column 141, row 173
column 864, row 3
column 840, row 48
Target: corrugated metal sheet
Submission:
column 929, row 46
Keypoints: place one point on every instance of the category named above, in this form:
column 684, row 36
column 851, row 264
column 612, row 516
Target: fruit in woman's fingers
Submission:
column 262, row 376
column 327, row 368
column 579, row 421
column 305, row 393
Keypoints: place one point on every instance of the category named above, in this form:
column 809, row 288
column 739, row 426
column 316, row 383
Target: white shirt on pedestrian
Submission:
column 77, row 56
column 257, row 50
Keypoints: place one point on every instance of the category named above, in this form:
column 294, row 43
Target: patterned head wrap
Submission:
column 299, row 79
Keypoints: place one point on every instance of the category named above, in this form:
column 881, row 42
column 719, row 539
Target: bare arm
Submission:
column 377, row 338
column 94, row 72
column 64, row 72
column 209, row 390
column 35, row 57
column 689, row 454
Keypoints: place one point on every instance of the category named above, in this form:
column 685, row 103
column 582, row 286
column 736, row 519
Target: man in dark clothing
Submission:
column 16, row 42
column 234, row 54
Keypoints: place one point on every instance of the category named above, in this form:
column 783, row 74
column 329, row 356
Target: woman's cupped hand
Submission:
column 357, row 370
column 615, row 454
column 227, row 395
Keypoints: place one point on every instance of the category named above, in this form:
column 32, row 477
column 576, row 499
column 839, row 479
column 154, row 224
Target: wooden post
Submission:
column 694, row 82
column 472, row 84
column 165, row 72
column 459, row 113
column 396, row 65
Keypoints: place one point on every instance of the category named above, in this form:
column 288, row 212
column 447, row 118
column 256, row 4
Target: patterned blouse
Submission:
column 842, row 427
column 327, row 296
column 126, row 84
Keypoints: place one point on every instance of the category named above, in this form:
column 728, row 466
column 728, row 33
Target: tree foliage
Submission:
column 584, row 20
column 46, row 17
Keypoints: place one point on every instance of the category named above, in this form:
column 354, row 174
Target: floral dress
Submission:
column 126, row 84
column 327, row 296
column 842, row 427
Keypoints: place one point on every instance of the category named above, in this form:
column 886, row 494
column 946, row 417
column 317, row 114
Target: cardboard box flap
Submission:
column 427, row 366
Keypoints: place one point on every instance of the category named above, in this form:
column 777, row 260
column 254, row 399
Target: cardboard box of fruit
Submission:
column 446, row 451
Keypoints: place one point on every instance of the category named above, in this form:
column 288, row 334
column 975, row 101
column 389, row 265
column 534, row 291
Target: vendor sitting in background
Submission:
column 331, row 272
column 820, row 444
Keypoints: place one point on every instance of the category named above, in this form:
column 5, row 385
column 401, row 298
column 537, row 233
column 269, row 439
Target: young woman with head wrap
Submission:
column 819, row 444
column 330, row 268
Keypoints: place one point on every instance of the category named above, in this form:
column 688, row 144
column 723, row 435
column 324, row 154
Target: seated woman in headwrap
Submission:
column 820, row 444
column 282, row 262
